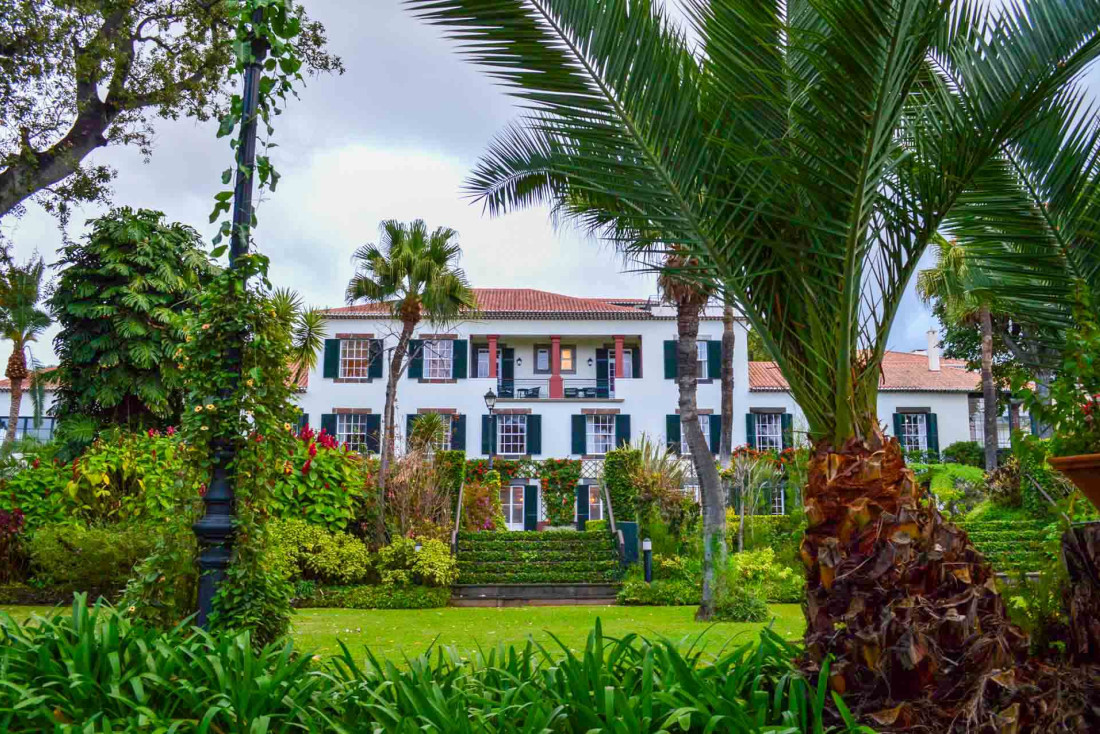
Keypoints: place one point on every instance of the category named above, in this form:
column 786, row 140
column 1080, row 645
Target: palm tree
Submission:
column 965, row 301
column 806, row 154
column 308, row 330
column 21, row 322
column 725, row 451
column 415, row 273
column 690, row 298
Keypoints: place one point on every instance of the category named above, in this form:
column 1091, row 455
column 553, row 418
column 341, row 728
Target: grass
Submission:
column 395, row 633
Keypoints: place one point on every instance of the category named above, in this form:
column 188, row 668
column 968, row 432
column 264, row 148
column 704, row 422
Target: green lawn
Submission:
column 394, row 633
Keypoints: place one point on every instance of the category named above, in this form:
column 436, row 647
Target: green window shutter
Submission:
column 328, row 423
column 582, row 505
column 672, row 432
column 374, row 370
column 487, row 442
column 636, row 361
column 714, row 360
column 750, row 429
column 715, row 433
column 374, row 433
column 580, row 443
column 459, row 359
column 332, row 359
column 897, row 426
column 416, row 359
column 530, row 507
column 670, row 359
column 787, row 421
column 534, row 435
column 458, row 433
column 622, row 430
column 303, row 421
column 933, row 433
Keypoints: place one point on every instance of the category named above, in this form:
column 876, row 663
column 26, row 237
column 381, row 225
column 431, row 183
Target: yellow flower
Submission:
column 179, row 366
column 286, row 426
column 206, row 428
column 132, row 610
column 198, row 408
column 250, row 382
column 210, row 406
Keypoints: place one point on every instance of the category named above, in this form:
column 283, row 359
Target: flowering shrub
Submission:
column 319, row 481
column 481, row 508
column 559, row 489
column 12, row 560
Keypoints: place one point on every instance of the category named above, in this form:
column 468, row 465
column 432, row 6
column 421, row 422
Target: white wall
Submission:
column 26, row 409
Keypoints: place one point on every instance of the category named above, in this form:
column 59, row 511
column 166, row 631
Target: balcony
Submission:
column 572, row 389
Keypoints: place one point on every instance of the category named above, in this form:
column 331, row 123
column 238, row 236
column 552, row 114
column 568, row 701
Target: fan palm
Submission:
column 805, row 154
column 21, row 322
column 415, row 273
column 308, row 330
column 964, row 300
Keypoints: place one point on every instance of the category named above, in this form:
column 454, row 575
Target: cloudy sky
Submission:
column 393, row 137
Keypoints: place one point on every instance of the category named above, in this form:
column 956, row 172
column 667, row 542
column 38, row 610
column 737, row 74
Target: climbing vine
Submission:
column 559, row 489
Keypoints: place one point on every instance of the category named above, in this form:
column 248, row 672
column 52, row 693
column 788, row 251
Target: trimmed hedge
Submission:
column 508, row 568
column 551, row 575
column 660, row 593
column 377, row 597
column 618, row 466
column 580, row 554
column 23, row 594
column 1010, row 545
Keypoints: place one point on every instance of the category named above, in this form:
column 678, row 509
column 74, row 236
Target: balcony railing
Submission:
column 573, row 389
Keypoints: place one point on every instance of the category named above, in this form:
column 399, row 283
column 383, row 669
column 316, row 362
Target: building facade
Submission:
column 574, row 377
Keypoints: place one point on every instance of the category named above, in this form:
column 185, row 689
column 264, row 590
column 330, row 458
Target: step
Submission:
column 518, row 595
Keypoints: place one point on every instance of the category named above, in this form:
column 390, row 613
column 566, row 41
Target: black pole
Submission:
column 647, row 555
column 215, row 529
column 492, row 436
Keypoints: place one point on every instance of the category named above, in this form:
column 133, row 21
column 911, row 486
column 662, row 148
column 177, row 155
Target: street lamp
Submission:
column 490, row 403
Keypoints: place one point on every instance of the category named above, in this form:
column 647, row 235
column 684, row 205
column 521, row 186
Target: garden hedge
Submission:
column 1011, row 545
column 376, row 597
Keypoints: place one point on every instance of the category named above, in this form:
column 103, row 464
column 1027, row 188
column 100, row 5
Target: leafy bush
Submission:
column 451, row 470
column 302, row 550
column 968, row 453
column 559, row 489
column 93, row 557
column 760, row 572
column 95, row 666
column 13, row 559
column 740, row 604
column 320, row 482
column 597, row 525
column 400, row 564
column 1004, row 484
column 619, row 466
column 481, row 508
column 957, row 487
column 376, row 597
column 254, row 598
column 660, row 593
column 781, row 533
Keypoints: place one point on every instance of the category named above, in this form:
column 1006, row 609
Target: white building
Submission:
column 577, row 376
column 26, row 427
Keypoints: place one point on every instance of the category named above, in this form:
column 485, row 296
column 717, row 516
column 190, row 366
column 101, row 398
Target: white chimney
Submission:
column 933, row 351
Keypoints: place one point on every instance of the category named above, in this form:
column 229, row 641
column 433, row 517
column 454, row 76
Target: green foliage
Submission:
column 450, row 467
column 95, row 666
column 254, row 598
column 968, row 453
column 551, row 556
column 305, row 551
column 478, row 469
column 660, row 593
column 1016, row 544
column 782, row 533
column 119, row 299
column 957, row 487
column 760, row 572
column 377, row 597
column 320, row 482
column 559, row 489
column 597, row 525
column 618, row 469
column 400, row 564
column 481, row 508
column 163, row 589
column 96, row 557
column 740, row 604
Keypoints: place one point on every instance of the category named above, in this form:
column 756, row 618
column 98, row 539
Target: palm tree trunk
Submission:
column 13, row 411
column 714, row 516
column 900, row 598
column 726, row 448
column 389, row 424
column 989, row 391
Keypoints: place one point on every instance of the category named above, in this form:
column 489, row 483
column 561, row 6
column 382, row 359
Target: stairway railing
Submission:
column 620, row 543
column 458, row 520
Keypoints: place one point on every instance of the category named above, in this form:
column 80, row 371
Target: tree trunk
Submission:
column 13, row 411
column 901, row 599
column 989, row 391
column 710, row 488
column 389, row 424
column 726, row 449
column 1081, row 596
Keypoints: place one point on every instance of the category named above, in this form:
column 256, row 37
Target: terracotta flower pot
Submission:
column 1082, row 470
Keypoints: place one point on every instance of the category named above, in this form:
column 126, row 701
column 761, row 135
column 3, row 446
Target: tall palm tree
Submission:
column 965, row 301
column 21, row 322
column 725, row 451
column 806, row 154
column 308, row 330
column 415, row 273
column 690, row 298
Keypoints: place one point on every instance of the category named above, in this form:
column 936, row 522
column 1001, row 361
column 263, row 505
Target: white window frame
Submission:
column 483, row 362
column 628, row 363
column 914, row 432
column 355, row 358
column 542, row 359
column 779, row 500
column 508, row 501
column 511, row 435
column 448, row 433
column 595, row 502
column 701, row 356
column 438, row 355
column 704, row 426
column 769, row 431
column 351, row 429
column 599, row 435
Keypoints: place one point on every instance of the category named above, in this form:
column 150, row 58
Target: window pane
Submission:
column 769, row 431
column 437, row 359
column 595, row 507
column 354, row 358
column 701, row 355
column 483, row 363
column 352, row 430
column 914, row 434
column 567, row 359
column 704, row 426
column 512, row 434
column 628, row 363
column 600, row 433
column 542, row 360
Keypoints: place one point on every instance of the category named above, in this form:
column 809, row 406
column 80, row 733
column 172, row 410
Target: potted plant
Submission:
column 1072, row 408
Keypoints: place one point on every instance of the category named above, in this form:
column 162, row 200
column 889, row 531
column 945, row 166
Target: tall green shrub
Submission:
column 559, row 479
column 618, row 469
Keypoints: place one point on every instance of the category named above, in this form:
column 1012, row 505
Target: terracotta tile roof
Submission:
column 522, row 303
column 900, row 371
column 5, row 383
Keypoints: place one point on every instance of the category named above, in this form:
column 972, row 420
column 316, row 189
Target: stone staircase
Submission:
column 536, row 568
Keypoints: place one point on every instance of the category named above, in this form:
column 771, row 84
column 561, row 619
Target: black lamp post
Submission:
column 490, row 403
column 215, row 529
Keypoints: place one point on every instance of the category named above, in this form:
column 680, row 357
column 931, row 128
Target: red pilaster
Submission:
column 493, row 356
column 557, row 387
column 620, row 369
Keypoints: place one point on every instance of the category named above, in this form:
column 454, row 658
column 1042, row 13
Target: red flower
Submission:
column 305, row 466
column 170, row 431
column 153, row 433
column 312, row 450
column 202, row 490
column 35, row 462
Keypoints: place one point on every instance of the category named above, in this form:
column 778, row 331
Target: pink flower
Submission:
column 170, row 431
column 153, row 433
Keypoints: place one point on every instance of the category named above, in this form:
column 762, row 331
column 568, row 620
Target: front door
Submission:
column 511, row 501
column 531, row 507
column 604, row 373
